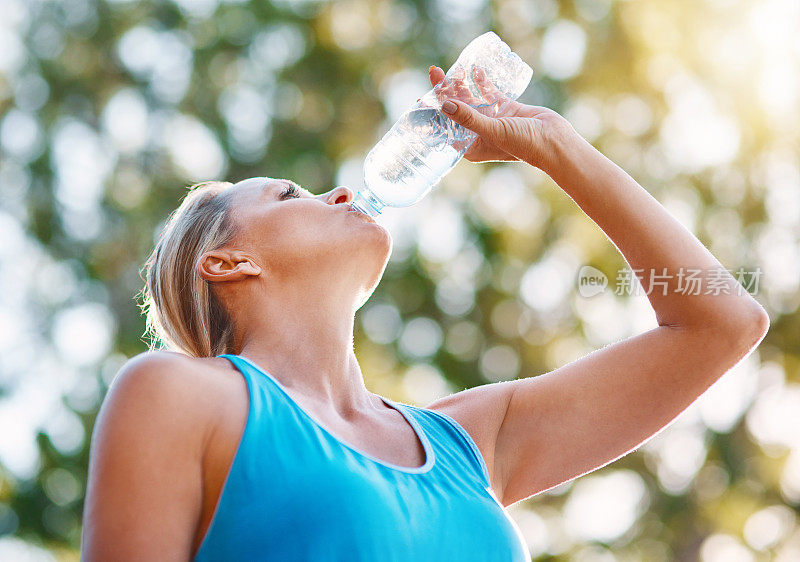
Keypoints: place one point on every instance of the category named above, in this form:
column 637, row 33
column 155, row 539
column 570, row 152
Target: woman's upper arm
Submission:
column 538, row 432
column 586, row 414
column 144, row 488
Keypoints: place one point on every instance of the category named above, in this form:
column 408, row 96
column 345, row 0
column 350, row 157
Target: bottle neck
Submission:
column 366, row 202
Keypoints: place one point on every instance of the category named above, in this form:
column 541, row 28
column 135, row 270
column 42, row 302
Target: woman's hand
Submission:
column 515, row 131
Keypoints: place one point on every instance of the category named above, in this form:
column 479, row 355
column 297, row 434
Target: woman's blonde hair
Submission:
column 182, row 311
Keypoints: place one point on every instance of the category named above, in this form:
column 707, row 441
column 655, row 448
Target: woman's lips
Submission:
column 365, row 216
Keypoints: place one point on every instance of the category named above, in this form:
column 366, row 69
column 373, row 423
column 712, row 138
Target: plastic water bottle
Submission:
column 425, row 144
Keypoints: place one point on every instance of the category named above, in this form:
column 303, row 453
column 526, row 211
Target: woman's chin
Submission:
column 380, row 234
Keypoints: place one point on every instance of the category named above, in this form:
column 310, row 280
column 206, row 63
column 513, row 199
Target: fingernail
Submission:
column 449, row 107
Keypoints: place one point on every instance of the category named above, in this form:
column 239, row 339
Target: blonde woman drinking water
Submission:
column 257, row 439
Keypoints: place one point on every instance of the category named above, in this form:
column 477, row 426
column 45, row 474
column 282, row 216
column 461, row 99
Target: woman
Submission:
column 259, row 439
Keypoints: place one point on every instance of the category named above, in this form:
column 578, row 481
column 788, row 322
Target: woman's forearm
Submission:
column 656, row 246
column 660, row 251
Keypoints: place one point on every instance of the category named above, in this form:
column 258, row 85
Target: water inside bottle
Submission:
column 435, row 128
column 423, row 145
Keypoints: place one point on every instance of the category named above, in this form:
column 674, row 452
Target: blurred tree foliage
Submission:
column 109, row 109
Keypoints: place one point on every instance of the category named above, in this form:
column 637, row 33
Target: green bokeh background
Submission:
column 108, row 110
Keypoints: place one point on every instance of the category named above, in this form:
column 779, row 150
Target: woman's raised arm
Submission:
column 538, row 432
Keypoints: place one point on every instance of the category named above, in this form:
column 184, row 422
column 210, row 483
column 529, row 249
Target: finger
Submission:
column 443, row 90
column 472, row 119
column 489, row 91
column 458, row 79
column 463, row 92
column 436, row 75
column 457, row 88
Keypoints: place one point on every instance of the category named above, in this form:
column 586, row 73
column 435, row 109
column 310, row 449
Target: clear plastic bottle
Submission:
column 425, row 144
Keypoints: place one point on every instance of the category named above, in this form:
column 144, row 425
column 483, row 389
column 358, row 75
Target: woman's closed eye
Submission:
column 290, row 191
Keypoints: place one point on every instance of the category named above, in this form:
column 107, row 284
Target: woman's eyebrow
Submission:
column 271, row 183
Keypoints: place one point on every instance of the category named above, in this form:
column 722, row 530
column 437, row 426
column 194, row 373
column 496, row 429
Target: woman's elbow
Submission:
column 748, row 326
column 761, row 322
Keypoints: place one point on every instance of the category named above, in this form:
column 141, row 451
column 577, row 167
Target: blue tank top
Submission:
column 296, row 492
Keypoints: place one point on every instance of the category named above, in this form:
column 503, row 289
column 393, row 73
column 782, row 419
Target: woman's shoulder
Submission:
column 173, row 372
column 157, row 435
column 165, row 383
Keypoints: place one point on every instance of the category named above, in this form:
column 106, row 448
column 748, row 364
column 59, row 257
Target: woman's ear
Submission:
column 222, row 265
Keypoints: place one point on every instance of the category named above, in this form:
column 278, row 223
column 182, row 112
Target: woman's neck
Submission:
column 306, row 343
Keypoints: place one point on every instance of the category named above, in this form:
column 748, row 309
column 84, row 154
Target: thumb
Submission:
column 472, row 119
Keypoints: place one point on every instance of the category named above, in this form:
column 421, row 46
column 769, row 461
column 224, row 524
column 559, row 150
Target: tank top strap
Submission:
column 454, row 446
column 261, row 396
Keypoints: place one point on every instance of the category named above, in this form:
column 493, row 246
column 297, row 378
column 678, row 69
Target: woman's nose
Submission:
column 340, row 194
